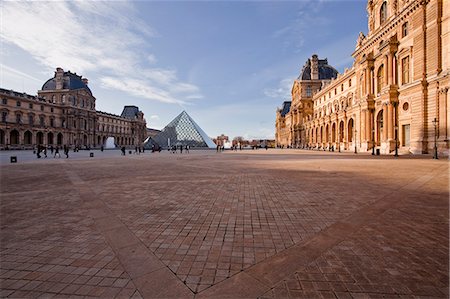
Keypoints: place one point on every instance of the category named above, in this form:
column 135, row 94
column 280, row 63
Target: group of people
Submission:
column 54, row 151
column 175, row 148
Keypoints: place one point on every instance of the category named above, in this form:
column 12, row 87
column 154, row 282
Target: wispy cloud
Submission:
column 94, row 37
column 295, row 33
column 283, row 90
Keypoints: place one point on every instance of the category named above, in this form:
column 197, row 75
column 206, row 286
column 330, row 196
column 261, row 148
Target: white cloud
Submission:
column 154, row 117
column 151, row 59
column 93, row 37
column 283, row 90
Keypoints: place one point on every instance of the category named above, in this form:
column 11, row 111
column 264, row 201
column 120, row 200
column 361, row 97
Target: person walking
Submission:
column 66, row 151
column 45, row 152
column 187, row 149
column 57, row 153
column 181, row 149
column 38, row 152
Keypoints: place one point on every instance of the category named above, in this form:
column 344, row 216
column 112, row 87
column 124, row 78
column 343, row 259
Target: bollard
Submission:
column 13, row 159
column 91, row 155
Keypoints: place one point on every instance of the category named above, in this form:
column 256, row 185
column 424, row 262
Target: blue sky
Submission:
column 229, row 64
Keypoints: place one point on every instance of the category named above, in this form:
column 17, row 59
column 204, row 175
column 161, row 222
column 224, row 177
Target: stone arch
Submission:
column 379, row 129
column 60, row 139
column 28, row 138
column 350, row 137
column 40, row 138
column 14, row 137
column 2, row 137
column 50, row 138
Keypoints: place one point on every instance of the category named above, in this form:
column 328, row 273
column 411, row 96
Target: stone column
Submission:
column 368, row 127
column 390, row 121
column 385, row 123
column 390, row 69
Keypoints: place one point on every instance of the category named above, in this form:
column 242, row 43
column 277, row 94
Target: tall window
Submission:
column 405, row 70
column 350, row 83
column 308, row 91
column 4, row 116
column 383, row 13
column 18, row 103
column 405, row 29
column 30, row 119
column 18, row 118
column 380, row 78
column 52, row 122
column 42, row 121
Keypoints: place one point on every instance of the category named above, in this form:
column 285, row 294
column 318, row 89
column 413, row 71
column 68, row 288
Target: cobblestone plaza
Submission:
column 246, row 224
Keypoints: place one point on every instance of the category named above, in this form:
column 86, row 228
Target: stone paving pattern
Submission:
column 252, row 224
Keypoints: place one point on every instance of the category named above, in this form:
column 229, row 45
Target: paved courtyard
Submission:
column 250, row 224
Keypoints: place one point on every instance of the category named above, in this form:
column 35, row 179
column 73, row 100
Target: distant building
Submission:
column 152, row 132
column 396, row 92
column 63, row 113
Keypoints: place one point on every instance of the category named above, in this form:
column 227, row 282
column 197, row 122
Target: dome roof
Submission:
column 70, row 81
column 326, row 71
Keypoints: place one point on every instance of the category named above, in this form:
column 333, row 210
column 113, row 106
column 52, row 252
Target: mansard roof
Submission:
column 326, row 71
column 70, row 81
column 285, row 108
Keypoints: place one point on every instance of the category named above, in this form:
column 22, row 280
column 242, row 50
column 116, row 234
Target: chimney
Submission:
column 85, row 81
column 59, row 78
column 314, row 67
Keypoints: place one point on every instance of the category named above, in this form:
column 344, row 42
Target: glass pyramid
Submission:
column 182, row 130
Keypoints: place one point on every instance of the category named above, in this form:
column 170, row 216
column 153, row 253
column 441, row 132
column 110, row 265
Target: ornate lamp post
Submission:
column 355, row 141
column 435, row 123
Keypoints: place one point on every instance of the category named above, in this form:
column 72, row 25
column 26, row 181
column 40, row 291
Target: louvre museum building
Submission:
column 63, row 113
column 395, row 95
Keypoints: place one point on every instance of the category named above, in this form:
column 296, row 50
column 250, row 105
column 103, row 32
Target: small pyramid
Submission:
column 182, row 130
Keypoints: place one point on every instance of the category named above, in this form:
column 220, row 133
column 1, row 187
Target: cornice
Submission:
column 372, row 39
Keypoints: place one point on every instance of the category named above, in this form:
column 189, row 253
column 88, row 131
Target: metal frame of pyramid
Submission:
column 182, row 130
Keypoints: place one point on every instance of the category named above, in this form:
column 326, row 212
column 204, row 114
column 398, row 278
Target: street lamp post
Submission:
column 355, row 140
column 435, row 122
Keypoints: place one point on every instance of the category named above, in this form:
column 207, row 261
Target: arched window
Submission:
column 383, row 13
column 380, row 78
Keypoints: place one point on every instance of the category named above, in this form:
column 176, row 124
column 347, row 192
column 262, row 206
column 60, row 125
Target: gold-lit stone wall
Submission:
column 399, row 86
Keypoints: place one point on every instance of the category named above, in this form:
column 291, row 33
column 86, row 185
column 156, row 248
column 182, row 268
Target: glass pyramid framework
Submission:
column 182, row 130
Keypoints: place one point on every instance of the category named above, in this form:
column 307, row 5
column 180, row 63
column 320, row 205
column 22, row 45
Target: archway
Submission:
column 60, row 139
column 27, row 138
column 333, row 133
column 40, row 138
column 50, row 138
column 14, row 137
column 379, row 133
column 350, row 130
column 327, row 133
column 2, row 137
column 341, row 131
column 85, row 139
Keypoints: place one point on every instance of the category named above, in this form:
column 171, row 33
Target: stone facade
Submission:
column 63, row 113
column 396, row 92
